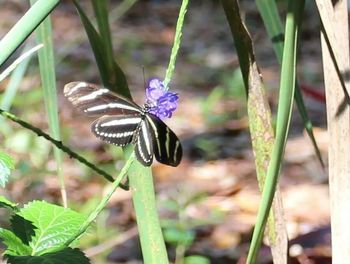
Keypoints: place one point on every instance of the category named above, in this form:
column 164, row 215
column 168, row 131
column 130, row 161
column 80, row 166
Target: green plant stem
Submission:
column 103, row 202
column 48, row 80
column 141, row 182
column 176, row 43
column 287, row 87
column 59, row 145
column 151, row 237
column 24, row 27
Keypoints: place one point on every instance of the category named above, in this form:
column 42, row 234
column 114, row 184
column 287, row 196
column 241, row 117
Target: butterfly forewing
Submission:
column 118, row 130
column 96, row 101
column 144, row 144
column 166, row 145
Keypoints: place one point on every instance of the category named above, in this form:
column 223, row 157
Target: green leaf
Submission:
column 67, row 255
column 5, row 203
column 13, row 243
column 6, row 165
column 22, row 228
column 196, row 259
column 55, row 225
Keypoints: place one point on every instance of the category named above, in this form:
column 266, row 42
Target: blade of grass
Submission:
column 122, row 9
column 17, row 70
column 269, row 13
column 117, row 82
column 19, row 67
column 22, row 59
column 101, row 13
column 287, row 87
column 115, row 14
column 336, row 17
column 260, row 124
column 24, row 27
column 48, row 79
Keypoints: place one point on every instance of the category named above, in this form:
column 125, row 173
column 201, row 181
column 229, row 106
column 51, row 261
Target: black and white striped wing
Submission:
column 166, row 145
column 144, row 144
column 118, row 130
column 96, row 101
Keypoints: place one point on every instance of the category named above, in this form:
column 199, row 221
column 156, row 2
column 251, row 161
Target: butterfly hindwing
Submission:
column 143, row 144
column 96, row 101
column 118, row 130
column 166, row 145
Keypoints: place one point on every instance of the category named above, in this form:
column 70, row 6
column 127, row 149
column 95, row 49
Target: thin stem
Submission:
column 176, row 44
column 59, row 145
column 93, row 215
column 25, row 56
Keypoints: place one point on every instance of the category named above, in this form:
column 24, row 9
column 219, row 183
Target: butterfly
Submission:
column 122, row 122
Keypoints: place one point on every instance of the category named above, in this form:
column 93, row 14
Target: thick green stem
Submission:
column 151, row 237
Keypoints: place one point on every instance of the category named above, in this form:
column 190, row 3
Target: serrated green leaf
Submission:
column 6, row 165
column 5, row 203
column 13, row 243
column 55, row 225
column 22, row 228
column 67, row 255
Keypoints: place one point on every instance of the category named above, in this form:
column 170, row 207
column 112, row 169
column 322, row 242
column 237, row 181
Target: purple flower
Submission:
column 160, row 102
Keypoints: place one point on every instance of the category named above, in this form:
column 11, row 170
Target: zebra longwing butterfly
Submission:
column 122, row 122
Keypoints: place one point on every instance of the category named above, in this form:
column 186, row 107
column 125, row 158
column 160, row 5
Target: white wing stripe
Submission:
column 119, row 122
column 140, row 151
column 110, row 106
column 176, row 149
column 154, row 127
column 92, row 95
column 167, row 142
column 114, row 135
column 76, row 87
column 145, row 136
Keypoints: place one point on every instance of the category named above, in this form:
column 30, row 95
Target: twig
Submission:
column 59, row 145
column 111, row 243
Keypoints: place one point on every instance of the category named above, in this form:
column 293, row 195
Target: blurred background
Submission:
column 207, row 204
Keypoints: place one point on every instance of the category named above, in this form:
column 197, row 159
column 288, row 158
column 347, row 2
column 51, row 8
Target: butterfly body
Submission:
column 122, row 122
